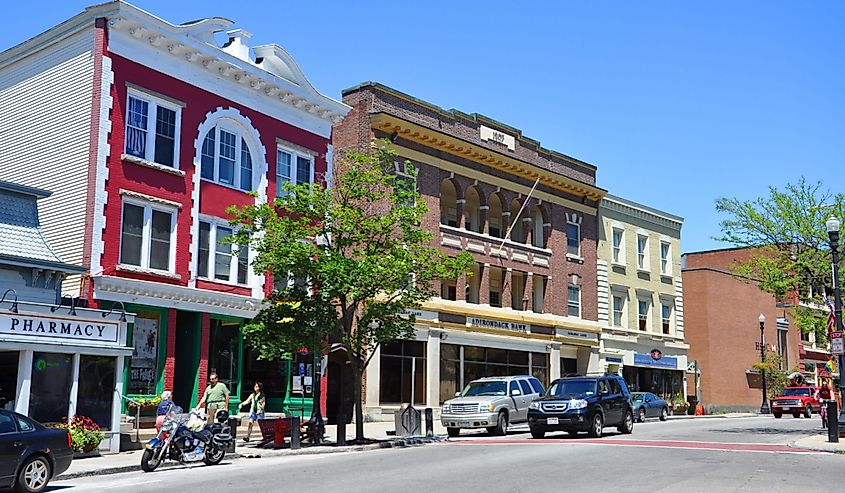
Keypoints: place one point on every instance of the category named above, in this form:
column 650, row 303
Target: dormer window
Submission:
column 226, row 158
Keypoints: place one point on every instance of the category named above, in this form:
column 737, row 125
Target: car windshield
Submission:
column 802, row 392
column 638, row 397
column 495, row 387
column 573, row 388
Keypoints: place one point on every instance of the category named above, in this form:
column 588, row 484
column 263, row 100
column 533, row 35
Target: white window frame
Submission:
column 578, row 228
column 647, row 301
column 293, row 163
column 666, row 262
column 568, row 301
column 671, row 305
column 617, row 252
column 153, row 103
column 146, row 235
column 642, row 255
column 621, row 309
column 241, row 138
column 212, row 254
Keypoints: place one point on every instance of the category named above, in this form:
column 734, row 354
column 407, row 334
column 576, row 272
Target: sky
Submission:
column 676, row 103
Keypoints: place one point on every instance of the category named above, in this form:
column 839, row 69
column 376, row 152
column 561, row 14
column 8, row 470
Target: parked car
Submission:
column 492, row 403
column 796, row 400
column 575, row 404
column 30, row 454
column 648, row 405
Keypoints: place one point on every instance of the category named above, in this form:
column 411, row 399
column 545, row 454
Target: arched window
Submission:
column 538, row 239
column 448, row 203
column 494, row 216
column 472, row 210
column 226, row 158
column 517, row 231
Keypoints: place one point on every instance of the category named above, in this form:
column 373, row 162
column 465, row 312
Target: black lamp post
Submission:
column 764, row 407
column 832, row 225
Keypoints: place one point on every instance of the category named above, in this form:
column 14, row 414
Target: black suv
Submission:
column 574, row 404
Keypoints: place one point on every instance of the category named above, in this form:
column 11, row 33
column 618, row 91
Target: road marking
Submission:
column 121, row 484
column 672, row 444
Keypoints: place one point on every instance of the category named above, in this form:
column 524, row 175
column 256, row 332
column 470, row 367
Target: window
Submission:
column 615, row 388
column 573, row 239
column 146, row 237
column 665, row 316
column 642, row 311
column 618, row 309
column 538, row 239
column 229, row 263
column 397, row 370
column 226, row 159
column 496, row 287
column 292, row 168
column 448, row 204
column 518, row 290
column 24, row 424
column 495, row 217
column 513, row 386
column 618, row 257
column 664, row 258
column 474, row 284
column 472, row 210
column 538, row 387
column 152, row 129
column 526, row 389
column 573, row 301
column 7, row 425
column 448, row 290
column 642, row 252
column 539, row 288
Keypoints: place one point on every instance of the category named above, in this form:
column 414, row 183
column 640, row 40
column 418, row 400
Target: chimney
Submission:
column 237, row 45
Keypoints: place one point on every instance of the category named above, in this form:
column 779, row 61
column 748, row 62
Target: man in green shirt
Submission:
column 216, row 397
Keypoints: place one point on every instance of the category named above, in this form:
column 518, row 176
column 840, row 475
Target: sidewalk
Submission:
column 819, row 442
column 131, row 460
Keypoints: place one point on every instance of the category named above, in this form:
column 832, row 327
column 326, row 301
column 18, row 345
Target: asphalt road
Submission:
column 708, row 455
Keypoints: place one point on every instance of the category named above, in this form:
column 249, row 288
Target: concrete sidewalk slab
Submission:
column 819, row 442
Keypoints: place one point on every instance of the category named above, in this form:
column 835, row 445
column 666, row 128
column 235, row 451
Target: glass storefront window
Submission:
column 50, row 388
column 540, row 367
column 224, row 352
column 450, row 371
column 272, row 374
column 96, row 389
column 664, row 383
column 396, row 374
column 8, row 379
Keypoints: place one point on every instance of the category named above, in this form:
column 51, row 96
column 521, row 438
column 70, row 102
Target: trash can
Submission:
column 408, row 421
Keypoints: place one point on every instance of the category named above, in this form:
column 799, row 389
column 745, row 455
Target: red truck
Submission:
column 796, row 400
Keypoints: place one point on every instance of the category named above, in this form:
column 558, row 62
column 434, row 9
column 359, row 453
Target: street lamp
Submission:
column 832, row 225
column 764, row 408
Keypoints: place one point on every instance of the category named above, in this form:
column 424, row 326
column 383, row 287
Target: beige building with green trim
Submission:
column 640, row 297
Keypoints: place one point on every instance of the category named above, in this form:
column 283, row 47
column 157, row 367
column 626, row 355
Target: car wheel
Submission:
column 641, row 416
column 808, row 412
column 777, row 415
column 453, row 432
column 538, row 434
column 597, row 426
column 796, row 415
column 664, row 414
column 33, row 476
column 501, row 427
column 627, row 425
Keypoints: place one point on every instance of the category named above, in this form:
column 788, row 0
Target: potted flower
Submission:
column 85, row 434
column 679, row 405
column 145, row 404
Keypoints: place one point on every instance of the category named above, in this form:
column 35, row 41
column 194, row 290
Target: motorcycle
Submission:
column 184, row 437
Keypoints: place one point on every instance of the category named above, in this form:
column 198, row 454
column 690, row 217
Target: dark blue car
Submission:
column 30, row 454
column 648, row 405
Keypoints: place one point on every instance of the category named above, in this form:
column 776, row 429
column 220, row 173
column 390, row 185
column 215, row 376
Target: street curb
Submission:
column 794, row 444
column 397, row 443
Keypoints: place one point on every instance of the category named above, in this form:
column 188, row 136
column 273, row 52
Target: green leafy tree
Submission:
column 791, row 247
column 776, row 377
column 361, row 256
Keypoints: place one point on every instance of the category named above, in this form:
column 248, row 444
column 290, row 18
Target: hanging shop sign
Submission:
column 48, row 329
column 485, row 323
column 655, row 358
column 421, row 314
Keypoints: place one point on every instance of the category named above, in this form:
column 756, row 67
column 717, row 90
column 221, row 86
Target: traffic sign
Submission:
column 837, row 343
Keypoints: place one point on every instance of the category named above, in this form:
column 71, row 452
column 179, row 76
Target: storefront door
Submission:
column 8, row 379
column 52, row 376
column 224, row 355
column 188, row 335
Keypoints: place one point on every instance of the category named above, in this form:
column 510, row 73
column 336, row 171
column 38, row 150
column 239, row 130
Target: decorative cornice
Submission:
column 452, row 145
column 195, row 45
column 641, row 212
column 173, row 296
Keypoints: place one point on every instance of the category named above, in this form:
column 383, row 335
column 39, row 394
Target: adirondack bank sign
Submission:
column 48, row 329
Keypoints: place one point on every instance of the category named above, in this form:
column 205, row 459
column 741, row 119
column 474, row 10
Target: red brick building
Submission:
column 147, row 131
column 531, row 304
column 721, row 314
